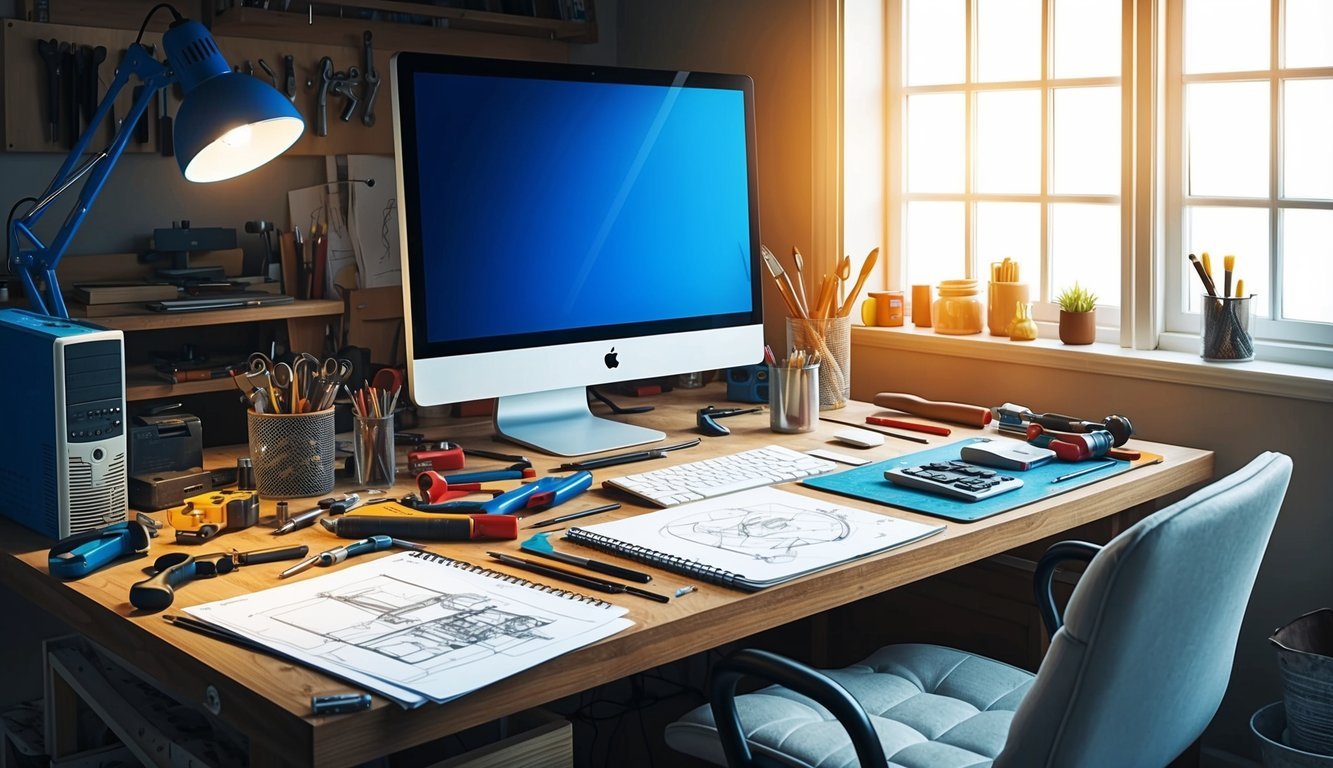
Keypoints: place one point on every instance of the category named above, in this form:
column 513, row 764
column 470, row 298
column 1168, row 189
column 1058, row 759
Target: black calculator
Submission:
column 955, row 479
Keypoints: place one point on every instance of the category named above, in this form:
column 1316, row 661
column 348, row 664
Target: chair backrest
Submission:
column 1140, row 666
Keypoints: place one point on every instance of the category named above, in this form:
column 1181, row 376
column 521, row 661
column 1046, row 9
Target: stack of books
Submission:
column 117, row 298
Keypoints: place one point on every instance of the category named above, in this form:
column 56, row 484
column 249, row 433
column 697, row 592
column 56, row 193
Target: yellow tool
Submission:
column 206, row 515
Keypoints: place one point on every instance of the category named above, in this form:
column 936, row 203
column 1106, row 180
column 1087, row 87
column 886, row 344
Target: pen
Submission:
column 539, row 546
column 573, row 578
column 574, row 515
column 625, row 458
column 1071, row 475
column 911, row 438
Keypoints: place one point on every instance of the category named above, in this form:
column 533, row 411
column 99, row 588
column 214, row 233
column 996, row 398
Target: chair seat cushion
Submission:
column 932, row 707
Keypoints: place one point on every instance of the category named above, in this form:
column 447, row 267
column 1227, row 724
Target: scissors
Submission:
column 333, row 373
column 283, row 378
column 260, row 363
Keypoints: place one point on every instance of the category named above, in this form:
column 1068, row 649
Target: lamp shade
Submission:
column 228, row 123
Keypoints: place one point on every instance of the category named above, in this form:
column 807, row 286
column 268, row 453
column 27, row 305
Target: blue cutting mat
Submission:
column 867, row 483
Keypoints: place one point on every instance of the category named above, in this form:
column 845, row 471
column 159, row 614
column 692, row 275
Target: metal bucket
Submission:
column 1305, row 658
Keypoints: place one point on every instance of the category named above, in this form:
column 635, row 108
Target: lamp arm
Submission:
column 36, row 261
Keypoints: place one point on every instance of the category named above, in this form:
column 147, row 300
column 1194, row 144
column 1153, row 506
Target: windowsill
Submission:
column 1257, row 376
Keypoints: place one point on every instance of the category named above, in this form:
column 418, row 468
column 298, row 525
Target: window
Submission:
column 1010, row 142
column 1010, row 134
column 1250, row 99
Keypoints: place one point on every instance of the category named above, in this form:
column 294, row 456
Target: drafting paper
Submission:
column 373, row 219
column 754, row 538
column 417, row 622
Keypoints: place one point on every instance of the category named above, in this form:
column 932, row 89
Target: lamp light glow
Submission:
column 227, row 124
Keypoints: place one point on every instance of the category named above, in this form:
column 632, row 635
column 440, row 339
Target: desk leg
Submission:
column 62, row 713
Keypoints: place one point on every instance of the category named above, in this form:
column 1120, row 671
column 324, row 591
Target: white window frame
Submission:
column 1279, row 340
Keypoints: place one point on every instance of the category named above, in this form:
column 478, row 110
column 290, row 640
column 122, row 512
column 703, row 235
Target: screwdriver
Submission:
column 338, row 554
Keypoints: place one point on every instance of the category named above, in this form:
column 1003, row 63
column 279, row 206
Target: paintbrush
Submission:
column 1228, row 264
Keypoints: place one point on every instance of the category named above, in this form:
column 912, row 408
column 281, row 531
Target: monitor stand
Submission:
column 559, row 422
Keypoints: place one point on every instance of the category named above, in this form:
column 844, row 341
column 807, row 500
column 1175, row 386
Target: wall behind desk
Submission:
column 147, row 192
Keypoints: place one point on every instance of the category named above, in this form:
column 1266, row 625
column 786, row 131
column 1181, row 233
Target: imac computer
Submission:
column 565, row 226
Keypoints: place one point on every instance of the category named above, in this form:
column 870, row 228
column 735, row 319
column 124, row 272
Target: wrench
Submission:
column 322, row 99
column 372, row 82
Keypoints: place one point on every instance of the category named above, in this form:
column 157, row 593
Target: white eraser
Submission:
column 859, row 437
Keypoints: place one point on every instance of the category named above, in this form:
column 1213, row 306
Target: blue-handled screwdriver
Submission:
column 338, row 554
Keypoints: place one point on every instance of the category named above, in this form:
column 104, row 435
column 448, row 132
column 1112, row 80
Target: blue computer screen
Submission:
column 573, row 209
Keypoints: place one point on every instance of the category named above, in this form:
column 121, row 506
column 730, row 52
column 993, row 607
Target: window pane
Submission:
column 935, row 141
column 1008, row 40
column 1227, row 133
column 936, row 42
column 1309, row 33
column 1087, row 141
column 1307, row 265
column 1087, row 38
column 1085, row 246
column 1226, row 35
column 1008, row 155
column 934, row 242
column 1242, row 232
column 1307, row 120
column 1009, row 231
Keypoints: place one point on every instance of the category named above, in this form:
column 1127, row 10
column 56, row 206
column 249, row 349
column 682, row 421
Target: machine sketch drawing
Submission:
column 773, row 533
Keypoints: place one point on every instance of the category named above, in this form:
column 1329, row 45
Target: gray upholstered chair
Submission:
column 1131, row 679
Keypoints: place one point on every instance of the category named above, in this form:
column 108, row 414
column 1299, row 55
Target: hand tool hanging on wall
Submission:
column 70, row 95
column 289, row 76
column 164, row 133
column 371, row 80
column 49, row 51
column 344, row 84
column 90, row 93
column 272, row 76
column 325, row 68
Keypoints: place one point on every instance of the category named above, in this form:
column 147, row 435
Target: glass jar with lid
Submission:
column 958, row 309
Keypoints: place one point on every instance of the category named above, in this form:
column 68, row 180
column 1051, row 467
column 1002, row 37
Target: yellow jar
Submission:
column 958, row 310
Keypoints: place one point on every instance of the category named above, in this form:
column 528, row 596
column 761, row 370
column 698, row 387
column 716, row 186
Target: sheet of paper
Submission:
column 765, row 534
column 417, row 623
column 373, row 219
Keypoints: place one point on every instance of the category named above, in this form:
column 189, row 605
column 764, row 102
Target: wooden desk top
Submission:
column 269, row 699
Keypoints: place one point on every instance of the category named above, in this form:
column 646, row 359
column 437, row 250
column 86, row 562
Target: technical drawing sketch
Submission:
column 417, row 623
column 773, row 533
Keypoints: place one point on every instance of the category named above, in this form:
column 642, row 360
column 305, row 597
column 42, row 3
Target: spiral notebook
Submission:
column 752, row 539
column 415, row 626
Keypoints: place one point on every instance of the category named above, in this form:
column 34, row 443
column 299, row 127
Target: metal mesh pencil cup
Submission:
column 832, row 339
column 292, row 453
column 1225, row 332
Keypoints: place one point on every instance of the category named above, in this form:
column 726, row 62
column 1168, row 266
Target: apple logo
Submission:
column 610, row 359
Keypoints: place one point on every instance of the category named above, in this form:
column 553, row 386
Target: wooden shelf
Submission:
column 298, row 26
column 143, row 383
column 151, row 321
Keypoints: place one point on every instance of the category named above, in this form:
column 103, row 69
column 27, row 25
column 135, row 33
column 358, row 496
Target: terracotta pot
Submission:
column 1078, row 327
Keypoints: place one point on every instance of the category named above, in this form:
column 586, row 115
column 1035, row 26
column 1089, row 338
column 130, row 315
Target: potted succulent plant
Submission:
column 1078, row 322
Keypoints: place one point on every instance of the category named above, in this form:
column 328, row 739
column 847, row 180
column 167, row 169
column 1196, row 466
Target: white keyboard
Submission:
column 723, row 474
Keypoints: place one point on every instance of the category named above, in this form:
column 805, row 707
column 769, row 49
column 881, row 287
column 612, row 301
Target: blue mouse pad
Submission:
column 868, row 483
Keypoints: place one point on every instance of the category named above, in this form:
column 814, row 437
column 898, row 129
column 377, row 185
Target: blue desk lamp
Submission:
column 227, row 124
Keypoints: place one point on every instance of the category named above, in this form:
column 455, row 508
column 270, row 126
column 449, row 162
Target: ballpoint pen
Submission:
column 539, row 545
column 574, row 515
column 573, row 578
column 1084, row 471
column 625, row 458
